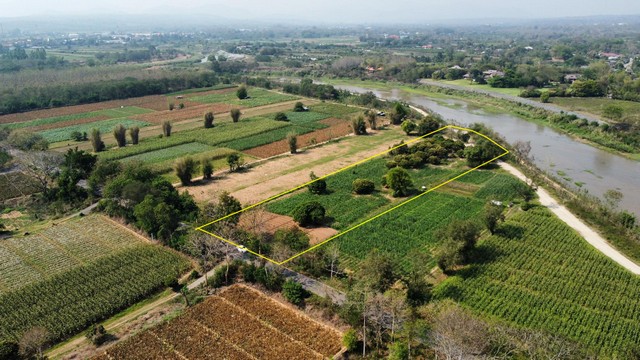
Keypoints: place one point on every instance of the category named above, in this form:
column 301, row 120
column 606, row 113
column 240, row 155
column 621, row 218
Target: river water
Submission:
column 581, row 165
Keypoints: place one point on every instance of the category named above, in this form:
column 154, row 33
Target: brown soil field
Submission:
column 337, row 128
column 261, row 221
column 240, row 323
column 69, row 123
column 191, row 111
column 153, row 102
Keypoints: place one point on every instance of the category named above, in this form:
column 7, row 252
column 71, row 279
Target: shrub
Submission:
column 96, row 141
column 399, row 180
column 292, row 140
column 9, row 350
column 242, row 93
column 309, row 214
column 544, row 97
column 166, row 128
column 171, row 107
column 181, row 106
column 298, row 107
column 363, row 186
column 185, row 169
column 372, row 119
column 134, row 132
column 120, row 133
column 207, row 169
column 97, row 334
column 408, row 126
column 25, row 140
column 281, row 117
column 293, row 292
column 350, row 340
column 319, row 186
column 235, row 115
column 427, row 125
column 359, row 126
column 235, row 162
column 208, row 120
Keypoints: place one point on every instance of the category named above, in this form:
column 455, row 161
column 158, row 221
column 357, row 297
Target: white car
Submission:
column 242, row 249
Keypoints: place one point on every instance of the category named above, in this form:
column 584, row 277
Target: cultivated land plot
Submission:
column 16, row 184
column 258, row 97
column 80, row 118
column 377, row 217
column 545, row 276
column 241, row 323
column 24, row 261
column 105, row 127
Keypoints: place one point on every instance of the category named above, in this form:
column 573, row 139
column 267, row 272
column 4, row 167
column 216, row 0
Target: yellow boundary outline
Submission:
column 201, row 228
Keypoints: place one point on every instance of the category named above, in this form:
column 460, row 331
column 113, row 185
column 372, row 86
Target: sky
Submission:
column 330, row 11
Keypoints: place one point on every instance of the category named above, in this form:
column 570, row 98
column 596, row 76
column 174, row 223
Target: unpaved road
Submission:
column 578, row 225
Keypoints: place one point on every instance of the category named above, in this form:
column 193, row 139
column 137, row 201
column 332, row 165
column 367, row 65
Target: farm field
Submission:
column 105, row 127
column 596, row 106
column 258, row 97
column 545, row 276
column 16, row 184
column 65, row 278
column 239, row 323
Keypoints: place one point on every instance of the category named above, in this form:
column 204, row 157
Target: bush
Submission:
column 235, row 115
column 293, row 292
column 97, row 334
column 359, row 126
column 120, row 133
column 9, row 350
column 166, row 128
column 408, row 126
column 298, row 107
column 207, row 169
column 350, row 340
column 281, row 117
column 134, row 132
column 309, row 214
column 185, row 168
column 363, row 186
column 222, row 277
column 292, row 140
column 271, row 279
column 208, row 120
column 26, row 141
column 399, row 180
column 242, row 93
column 319, row 186
column 96, row 141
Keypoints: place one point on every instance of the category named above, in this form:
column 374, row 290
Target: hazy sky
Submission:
column 330, row 10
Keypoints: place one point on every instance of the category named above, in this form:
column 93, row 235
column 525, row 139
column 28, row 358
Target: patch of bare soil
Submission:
column 261, row 221
column 11, row 215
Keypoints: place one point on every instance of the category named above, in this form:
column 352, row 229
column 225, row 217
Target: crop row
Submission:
column 258, row 97
column 548, row 278
column 105, row 127
column 213, row 137
column 109, row 114
column 68, row 302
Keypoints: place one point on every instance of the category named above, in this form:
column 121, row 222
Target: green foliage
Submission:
column 398, row 113
column 408, row 126
column 363, row 186
column 105, row 126
column 9, row 350
column 92, row 292
column 482, row 152
column 292, row 141
column 539, row 273
column 293, row 292
column 318, row 186
column 586, row 88
column 427, row 125
column 175, row 152
column 398, row 351
column 613, row 112
column 505, row 188
column 208, row 120
column 271, row 279
column 399, row 180
column 294, row 238
column 120, row 133
column 359, row 126
column 378, row 271
column 298, row 107
column 235, row 162
column 259, row 97
column 350, row 340
column 207, row 168
column 235, row 115
column 545, row 97
column 491, row 216
column 134, row 132
column 166, row 128
column 309, row 214
column 96, row 141
column 242, row 93
column 27, row 141
column 185, row 168
column 225, row 205
column 96, row 334
column 281, row 117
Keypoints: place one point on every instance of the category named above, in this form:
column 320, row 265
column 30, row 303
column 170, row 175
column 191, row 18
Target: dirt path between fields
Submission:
column 590, row 235
column 278, row 175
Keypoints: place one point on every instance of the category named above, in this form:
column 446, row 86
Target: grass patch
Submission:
column 258, row 97
column 105, row 127
column 173, row 152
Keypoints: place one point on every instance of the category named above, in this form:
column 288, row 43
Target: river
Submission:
column 580, row 165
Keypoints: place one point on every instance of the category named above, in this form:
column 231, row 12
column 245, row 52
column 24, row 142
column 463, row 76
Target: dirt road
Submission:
column 578, row 225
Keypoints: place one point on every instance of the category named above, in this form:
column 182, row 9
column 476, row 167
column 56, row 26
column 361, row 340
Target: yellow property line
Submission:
column 201, row 228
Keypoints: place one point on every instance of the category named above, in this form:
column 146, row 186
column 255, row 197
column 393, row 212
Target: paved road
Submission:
column 547, row 106
column 583, row 229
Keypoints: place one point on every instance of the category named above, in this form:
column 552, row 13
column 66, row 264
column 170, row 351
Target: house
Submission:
column 492, row 73
column 570, row 78
column 426, row 47
column 466, row 76
column 528, row 48
column 455, row 67
column 610, row 56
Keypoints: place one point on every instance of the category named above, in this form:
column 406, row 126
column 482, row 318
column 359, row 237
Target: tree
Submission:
column 27, row 141
column 460, row 238
column 235, row 162
column 208, row 120
column 185, row 168
column 120, row 133
column 166, row 128
column 156, row 217
column 372, row 119
column 545, row 97
column 225, row 205
column 350, row 340
column 293, row 292
column 378, row 271
column 482, row 152
column 41, row 166
column 398, row 351
column 408, row 126
column 491, row 216
column 281, row 117
column 292, row 140
column 359, row 126
column 298, row 107
column 242, row 93
column 399, row 180
column 33, row 342
column 398, row 114
column 317, row 186
column 449, row 255
column 134, row 133
column 362, row 186
column 80, row 161
column 428, row 125
column 235, row 115
column 96, row 141
column 97, row 334
column 207, row 168
column 309, row 214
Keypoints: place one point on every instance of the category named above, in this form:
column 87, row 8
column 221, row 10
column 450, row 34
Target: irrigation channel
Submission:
column 579, row 164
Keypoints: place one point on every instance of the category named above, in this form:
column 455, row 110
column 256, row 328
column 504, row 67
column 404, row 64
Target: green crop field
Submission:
column 199, row 90
column 545, row 276
column 16, row 184
column 110, row 113
column 213, row 137
column 334, row 110
column 304, row 118
column 105, row 127
column 258, row 97
column 68, row 302
column 57, row 249
column 169, row 153
column 501, row 187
